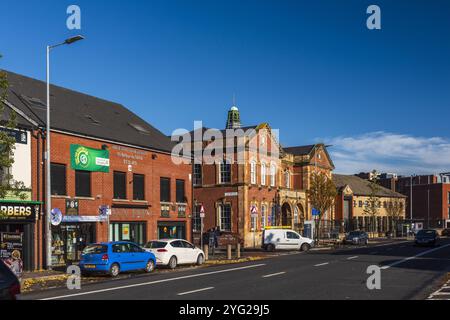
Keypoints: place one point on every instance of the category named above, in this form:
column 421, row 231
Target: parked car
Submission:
column 115, row 257
column 9, row 284
column 173, row 252
column 285, row 239
column 427, row 237
column 357, row 237
column 445, row 233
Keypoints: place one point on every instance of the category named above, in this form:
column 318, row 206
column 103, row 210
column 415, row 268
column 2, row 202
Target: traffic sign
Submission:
column 202, row 211
column 254, row 210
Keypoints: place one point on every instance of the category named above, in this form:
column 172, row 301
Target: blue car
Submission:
column 115, row 257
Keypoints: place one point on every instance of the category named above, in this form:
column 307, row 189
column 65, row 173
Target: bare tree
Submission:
column 395, row 211
column 321, row 194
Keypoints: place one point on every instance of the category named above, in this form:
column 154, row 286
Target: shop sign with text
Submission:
column 88, row 159
column 18, row 212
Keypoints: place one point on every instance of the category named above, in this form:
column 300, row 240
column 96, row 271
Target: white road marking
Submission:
column 321, row 264
column 154, row 282
column 351, row 258
column 194, row 291
column 273, row 274
column 413, row 257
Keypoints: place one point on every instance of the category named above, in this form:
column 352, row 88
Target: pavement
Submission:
column 407, row 272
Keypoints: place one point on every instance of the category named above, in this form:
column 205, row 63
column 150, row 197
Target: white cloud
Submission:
column 390, row 152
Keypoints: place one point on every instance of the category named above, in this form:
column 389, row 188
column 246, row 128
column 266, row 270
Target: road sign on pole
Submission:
column 202, row 212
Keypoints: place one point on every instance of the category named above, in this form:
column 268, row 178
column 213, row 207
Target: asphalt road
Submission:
column 407, row 272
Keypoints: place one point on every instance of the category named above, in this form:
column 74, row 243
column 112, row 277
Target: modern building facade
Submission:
column 429, row 196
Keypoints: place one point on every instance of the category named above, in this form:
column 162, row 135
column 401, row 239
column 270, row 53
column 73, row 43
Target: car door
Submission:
column 293, row 240
column 139, row 256
column 179, row 251
column 189, row 252
column 122, row 255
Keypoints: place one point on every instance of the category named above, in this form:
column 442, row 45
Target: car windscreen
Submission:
column 95, row 249
column 155, row 245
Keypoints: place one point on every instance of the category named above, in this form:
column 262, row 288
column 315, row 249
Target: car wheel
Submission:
column 173, row 262
column 150, row 266
column 305, row 247
column 270, row 248
column 200, row 260
column 114, row 270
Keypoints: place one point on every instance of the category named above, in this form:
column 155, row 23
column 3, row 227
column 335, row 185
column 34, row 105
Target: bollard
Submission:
column 238, row 250
column 206, row 251
column 229, row 251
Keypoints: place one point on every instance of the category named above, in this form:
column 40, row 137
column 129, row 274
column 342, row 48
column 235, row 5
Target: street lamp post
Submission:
column 47, row 156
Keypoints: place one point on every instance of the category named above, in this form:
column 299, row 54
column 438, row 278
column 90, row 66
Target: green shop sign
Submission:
column 88, row 159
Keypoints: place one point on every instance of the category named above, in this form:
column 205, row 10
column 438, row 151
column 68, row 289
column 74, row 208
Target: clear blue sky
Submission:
column 310, row 68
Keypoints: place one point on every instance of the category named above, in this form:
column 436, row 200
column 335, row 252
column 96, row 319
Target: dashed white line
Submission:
column 195, row 291
column 321, row 264
column 273, row 274
column 351, row 258
column 154, row 282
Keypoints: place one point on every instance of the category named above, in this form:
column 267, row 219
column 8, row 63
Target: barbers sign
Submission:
column 18, row 212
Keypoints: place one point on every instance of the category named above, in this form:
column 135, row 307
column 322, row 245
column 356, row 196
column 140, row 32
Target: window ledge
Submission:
column 84, row 198
column 181, row 203
column 60, row 197
column 140, row 201
column 166, row 203
column 121, row 200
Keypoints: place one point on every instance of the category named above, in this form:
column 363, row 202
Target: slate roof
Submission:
column 83, row 114
column 300, row 150
column 361, row 187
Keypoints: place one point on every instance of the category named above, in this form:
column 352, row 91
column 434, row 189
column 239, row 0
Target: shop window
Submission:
column 138, row 187
column 133, row 231
column 198, row 175
column 82, row 183
column 225, row 172
column 181, row 198
column 58, row 179
column 120, row 185
column 165, row 190
column 225, row 217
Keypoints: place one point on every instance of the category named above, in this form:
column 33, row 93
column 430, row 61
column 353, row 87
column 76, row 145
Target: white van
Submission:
column 285, row 239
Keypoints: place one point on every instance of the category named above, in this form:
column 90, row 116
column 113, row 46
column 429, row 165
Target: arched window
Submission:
column 287, row 179
column 253, row 172
column 263, row 174
column 273, row 174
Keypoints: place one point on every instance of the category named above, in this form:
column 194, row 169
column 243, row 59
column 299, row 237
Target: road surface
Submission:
column 407, row 272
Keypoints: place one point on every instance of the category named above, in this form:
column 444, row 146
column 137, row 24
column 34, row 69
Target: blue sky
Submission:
column 310, row 68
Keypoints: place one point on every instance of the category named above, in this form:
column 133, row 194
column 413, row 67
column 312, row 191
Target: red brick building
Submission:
column 131, row 191
column 268, row 180
column 429, row 195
